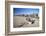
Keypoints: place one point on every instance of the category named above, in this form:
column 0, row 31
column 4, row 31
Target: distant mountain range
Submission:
column 27, row 15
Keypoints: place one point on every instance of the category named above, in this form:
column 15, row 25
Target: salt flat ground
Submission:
column 21, row 20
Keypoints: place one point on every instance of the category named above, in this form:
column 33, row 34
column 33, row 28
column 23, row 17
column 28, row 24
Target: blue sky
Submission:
column 19, row 11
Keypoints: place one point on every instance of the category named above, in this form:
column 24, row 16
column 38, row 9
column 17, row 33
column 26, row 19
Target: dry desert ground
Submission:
column 20, row 21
